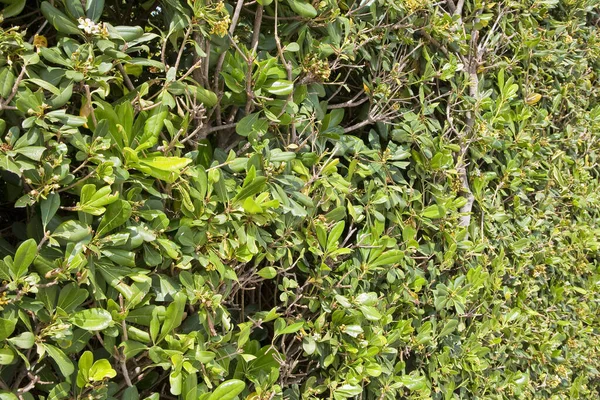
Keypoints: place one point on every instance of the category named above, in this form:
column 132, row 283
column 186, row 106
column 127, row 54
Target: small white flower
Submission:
column 87, row 25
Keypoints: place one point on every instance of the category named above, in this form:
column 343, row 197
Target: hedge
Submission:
column 293, row 199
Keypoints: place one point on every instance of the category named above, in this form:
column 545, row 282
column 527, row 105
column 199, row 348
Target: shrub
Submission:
column 374, row 199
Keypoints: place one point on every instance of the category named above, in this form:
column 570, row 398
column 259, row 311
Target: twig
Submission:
column 288, row 68
column 4, row 104
column 359, row 125
column 88, row 96
column 180, row 53
column 234, row 21
column 459, row 7
column 72, row 185
column 350, row 103
column 220, row 128
column 126, row 79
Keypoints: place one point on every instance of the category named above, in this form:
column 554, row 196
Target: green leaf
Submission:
column 24, row 256
column 309, row 345
column 190, row 384
column 32, row 152
column 74, row 8
column 131, row 393
column 302, row 8
column 25, row 340
column 64, row 364
column 254, row 187
column 7, row 80
column 48, row 207
column 370, row 313
column 7, row 356
column 62, row 391
column 414, row 382
column 44, row 85
column 173, row 316
column 127, row 33
column 152, row 128
column 86, row 360
column 171, row 164
column 206, row 97
column 116, row 215
column 267, row 273
column 72, row 231
column 93, row 9
column 389, row 257
column 346, row 391
column 295, row 327
column 101, row 370
column 70, row 297
column 92, row 201
column 244, row 126
column 434, row 212
column 7, row 326
column 92, row 319
column 280, row 88
column 13, row 9
column 334, row 236
column 60, row 21
column 448, row 328
column 228, row 390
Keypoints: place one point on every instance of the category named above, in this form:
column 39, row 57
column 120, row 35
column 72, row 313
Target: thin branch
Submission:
column 126, row 79
column 220, row 128
column 72, row 185
column 180, row 53
column 350, row 103
column 251, row 58
column 459, row 7
column 15, row 88
column 234, row 21
column 451, row 6
column 288, row 68
column 88, row 96
column 359, row 125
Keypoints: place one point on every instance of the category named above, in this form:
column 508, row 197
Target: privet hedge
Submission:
column 286, row 199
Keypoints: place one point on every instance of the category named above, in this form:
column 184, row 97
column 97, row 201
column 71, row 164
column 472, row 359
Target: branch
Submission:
column 459, row 7
column 354, row 127
column 465, row 219
column 88, row 96
column 234, row 21
column 180, row 53
column 126, row 79
column 288, row 68
column 250, row 61
column 4, row 104
column 350, row 103
column 220, row 128
column 451, row 6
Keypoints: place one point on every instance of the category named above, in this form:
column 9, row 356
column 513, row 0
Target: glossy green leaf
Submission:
column 92, row 319
column 228, row 390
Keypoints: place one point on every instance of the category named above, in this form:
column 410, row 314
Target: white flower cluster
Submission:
column 92, row 28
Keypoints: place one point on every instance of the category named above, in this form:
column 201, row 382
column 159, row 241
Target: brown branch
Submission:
column 182, row 47
column 473, row 62
column 4, row 104
column 232, row 26
column 451, row 6
column 288, row 68
column 350, row 103
column 88, row 96
column 251, row 58
column 459, row 7
column 126, row 79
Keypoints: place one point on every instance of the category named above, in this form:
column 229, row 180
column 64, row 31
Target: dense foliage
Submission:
column 292, row 199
